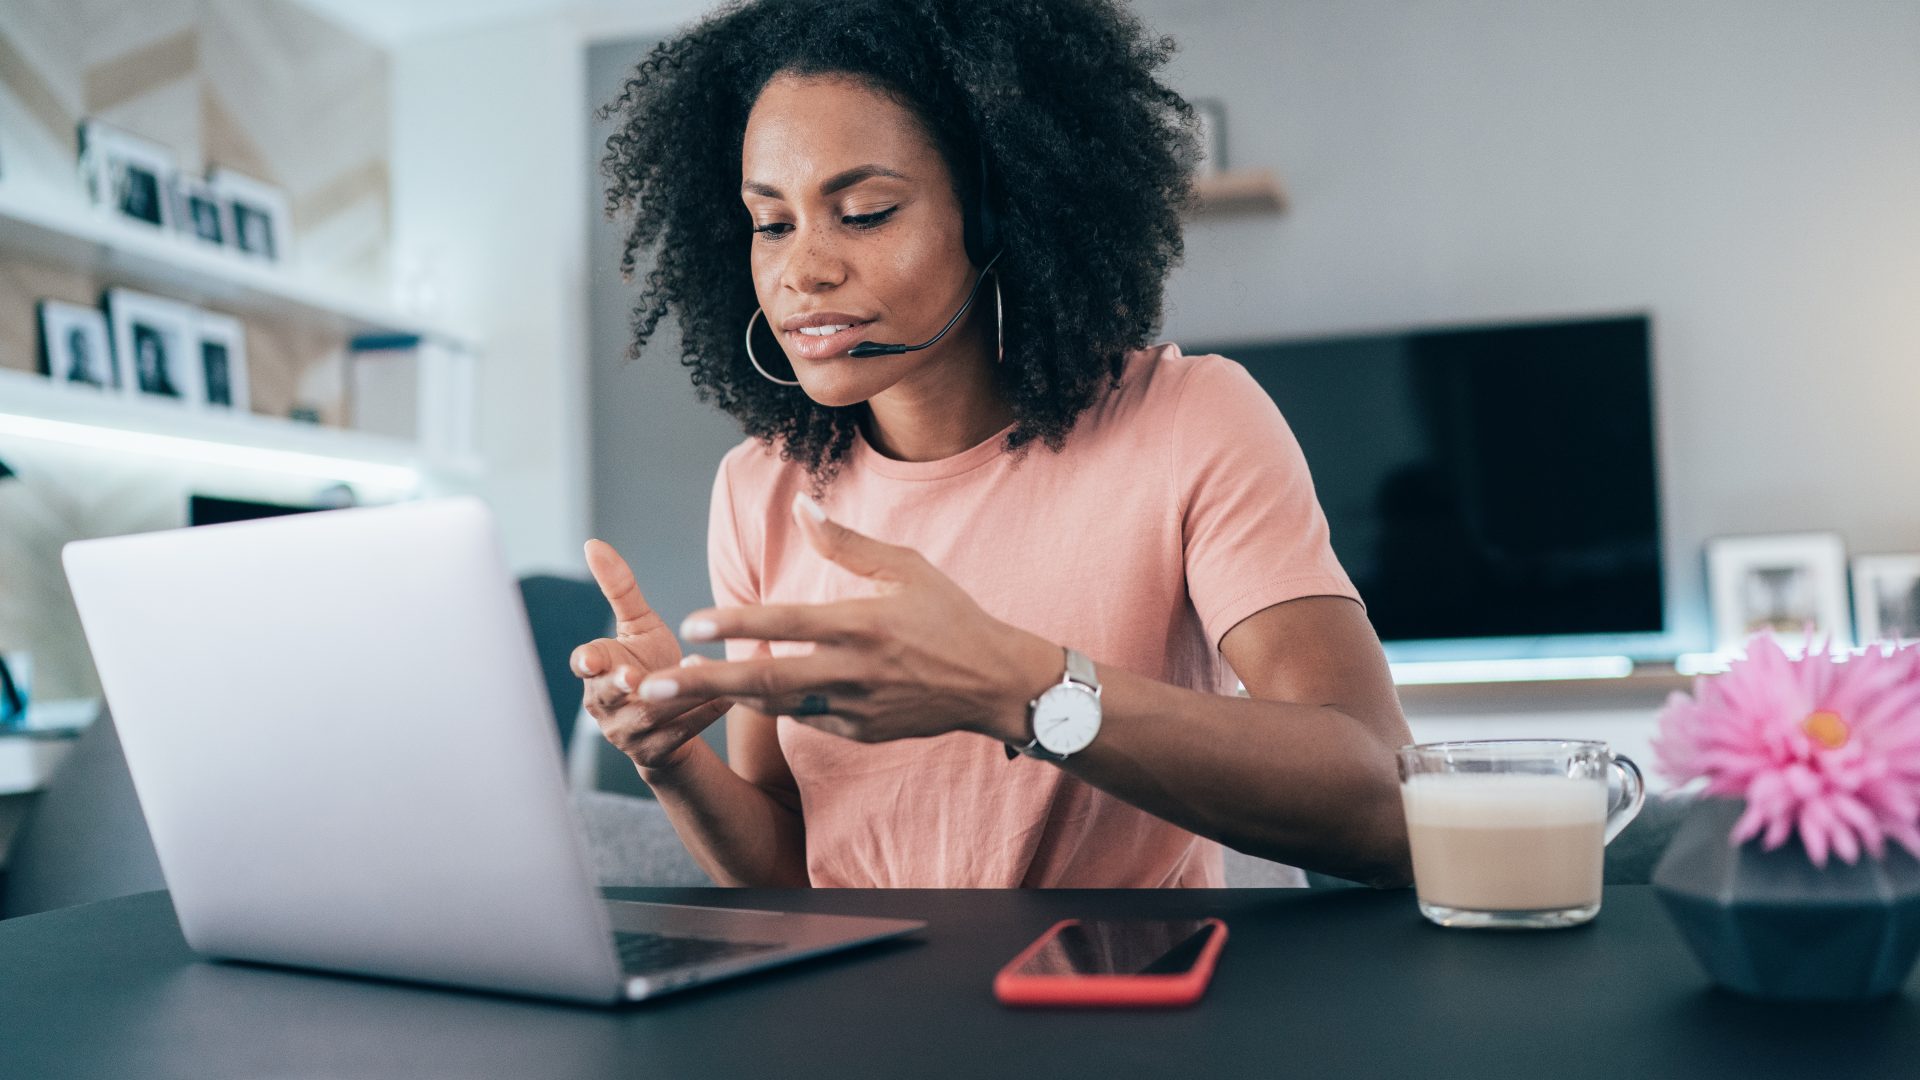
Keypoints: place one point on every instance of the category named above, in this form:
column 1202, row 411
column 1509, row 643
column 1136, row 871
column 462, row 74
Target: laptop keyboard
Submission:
column 643, row 953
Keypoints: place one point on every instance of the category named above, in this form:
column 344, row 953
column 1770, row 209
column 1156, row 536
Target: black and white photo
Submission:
column 1786, row 585
column 155, row 356
column 197, row 211
column 257, row 214
column 127, row 174
column 159, row 342
column 1886, row 598
column 221, row 350
column 75, row 348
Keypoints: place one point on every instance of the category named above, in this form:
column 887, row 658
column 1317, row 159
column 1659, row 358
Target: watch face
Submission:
column 1067, row 719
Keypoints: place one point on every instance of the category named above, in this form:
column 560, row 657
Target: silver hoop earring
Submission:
column 999, row 325
column 755, row 361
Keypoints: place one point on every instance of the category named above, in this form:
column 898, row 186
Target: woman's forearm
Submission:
column 1305, row 785
column 735, row 830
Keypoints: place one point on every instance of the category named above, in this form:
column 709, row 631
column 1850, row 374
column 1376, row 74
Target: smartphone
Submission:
column 1114, row 962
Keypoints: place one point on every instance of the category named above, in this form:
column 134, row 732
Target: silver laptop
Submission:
column 338, row 731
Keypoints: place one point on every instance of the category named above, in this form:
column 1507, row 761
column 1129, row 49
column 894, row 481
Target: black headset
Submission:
column 980, row 230
column 981, row 224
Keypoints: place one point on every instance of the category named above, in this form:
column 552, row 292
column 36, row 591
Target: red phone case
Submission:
column 1112, row 991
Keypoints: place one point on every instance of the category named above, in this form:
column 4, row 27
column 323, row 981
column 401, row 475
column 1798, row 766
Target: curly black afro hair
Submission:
column 1090, row 158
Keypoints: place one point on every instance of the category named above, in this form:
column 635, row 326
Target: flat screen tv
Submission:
column 218, row 510
column 1483, row 481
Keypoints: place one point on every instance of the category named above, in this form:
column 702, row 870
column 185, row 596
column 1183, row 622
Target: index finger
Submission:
column 615, row 579
column 827, row 623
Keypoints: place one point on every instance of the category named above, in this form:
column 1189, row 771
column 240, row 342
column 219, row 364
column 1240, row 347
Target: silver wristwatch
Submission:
column 1066, row 716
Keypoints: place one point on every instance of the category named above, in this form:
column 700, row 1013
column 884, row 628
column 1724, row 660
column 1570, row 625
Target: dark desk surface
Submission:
column 1311, row 984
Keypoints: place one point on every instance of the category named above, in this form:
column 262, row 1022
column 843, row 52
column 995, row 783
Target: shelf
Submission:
column 33, row 406
column 89, row 240
column 1642, row 685
column 1240, row 191
column 1645, row 688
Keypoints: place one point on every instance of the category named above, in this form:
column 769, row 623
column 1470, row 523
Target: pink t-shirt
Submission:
column 1179, row 505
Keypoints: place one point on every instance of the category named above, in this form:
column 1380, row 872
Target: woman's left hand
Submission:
column 918, row 658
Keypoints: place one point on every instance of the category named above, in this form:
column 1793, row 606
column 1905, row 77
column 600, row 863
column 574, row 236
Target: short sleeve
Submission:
column 1253, row 530
column 728, row 565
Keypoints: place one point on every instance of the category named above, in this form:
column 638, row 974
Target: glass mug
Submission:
column 1512, row 832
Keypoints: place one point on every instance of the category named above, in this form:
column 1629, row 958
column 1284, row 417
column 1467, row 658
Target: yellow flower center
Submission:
column 1826, row 728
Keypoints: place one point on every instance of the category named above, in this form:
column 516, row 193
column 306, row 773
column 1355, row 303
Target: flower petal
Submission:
column 1813, row 834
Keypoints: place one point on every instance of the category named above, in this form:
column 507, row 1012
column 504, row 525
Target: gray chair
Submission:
column 1252, row 872
column 631, row 842
column 564, row 614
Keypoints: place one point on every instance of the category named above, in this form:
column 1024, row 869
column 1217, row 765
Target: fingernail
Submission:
column 807, row 506
column 698, row 630
column 624, row 680
column 691, row 659
column 580, row 666
column 658, row 689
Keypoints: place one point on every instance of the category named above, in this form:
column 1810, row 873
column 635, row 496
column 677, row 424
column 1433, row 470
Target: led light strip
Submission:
column 1427, row 672
column 1701, row 663
column 208, row 452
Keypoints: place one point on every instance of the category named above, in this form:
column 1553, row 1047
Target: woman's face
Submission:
column 856, row 222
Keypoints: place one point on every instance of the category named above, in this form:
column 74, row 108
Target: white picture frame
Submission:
column 220, row 351
column 198, row 213
column 157, row 341
column 1782, row 583
column 1886, row 598
column 1211, row 114
column 257, row 216
column 76, row 349
column 128, row 176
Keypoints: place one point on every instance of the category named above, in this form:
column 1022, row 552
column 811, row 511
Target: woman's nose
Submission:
column 815, row 261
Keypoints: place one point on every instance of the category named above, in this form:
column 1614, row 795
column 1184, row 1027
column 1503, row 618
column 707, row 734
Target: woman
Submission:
column 1034, row 533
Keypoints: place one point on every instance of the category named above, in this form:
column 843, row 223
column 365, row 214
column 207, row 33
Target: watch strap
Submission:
column 1080, row 670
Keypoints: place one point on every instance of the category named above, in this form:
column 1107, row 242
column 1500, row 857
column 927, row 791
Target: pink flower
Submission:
column 1829, row 749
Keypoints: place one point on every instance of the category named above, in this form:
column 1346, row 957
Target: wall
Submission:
column 655, row 447
column 489, row 191
column 265, row 87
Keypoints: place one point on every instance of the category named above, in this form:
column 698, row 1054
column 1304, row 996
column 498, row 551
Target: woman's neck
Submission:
column 950, row 403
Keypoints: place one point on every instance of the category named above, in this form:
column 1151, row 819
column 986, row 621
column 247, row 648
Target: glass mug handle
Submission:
column 1633, row 793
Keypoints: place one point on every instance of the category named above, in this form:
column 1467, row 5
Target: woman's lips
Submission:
column 809, row 347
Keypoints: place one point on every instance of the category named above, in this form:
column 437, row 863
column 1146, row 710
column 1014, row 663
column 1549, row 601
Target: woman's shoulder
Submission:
column 754, row 473
column 749, row 453
column 1161, row 381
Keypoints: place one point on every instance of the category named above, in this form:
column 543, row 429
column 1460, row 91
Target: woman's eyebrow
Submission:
column 833, row 183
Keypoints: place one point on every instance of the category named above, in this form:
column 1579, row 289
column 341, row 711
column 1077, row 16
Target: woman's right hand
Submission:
column 612, row 668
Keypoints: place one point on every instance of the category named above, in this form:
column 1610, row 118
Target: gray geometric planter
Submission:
column 1771, row 924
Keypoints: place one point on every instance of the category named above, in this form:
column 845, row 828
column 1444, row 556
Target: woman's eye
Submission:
column 774, row 230
column 868, row 221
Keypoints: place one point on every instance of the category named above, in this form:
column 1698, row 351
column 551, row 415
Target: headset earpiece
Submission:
column 980, row 225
